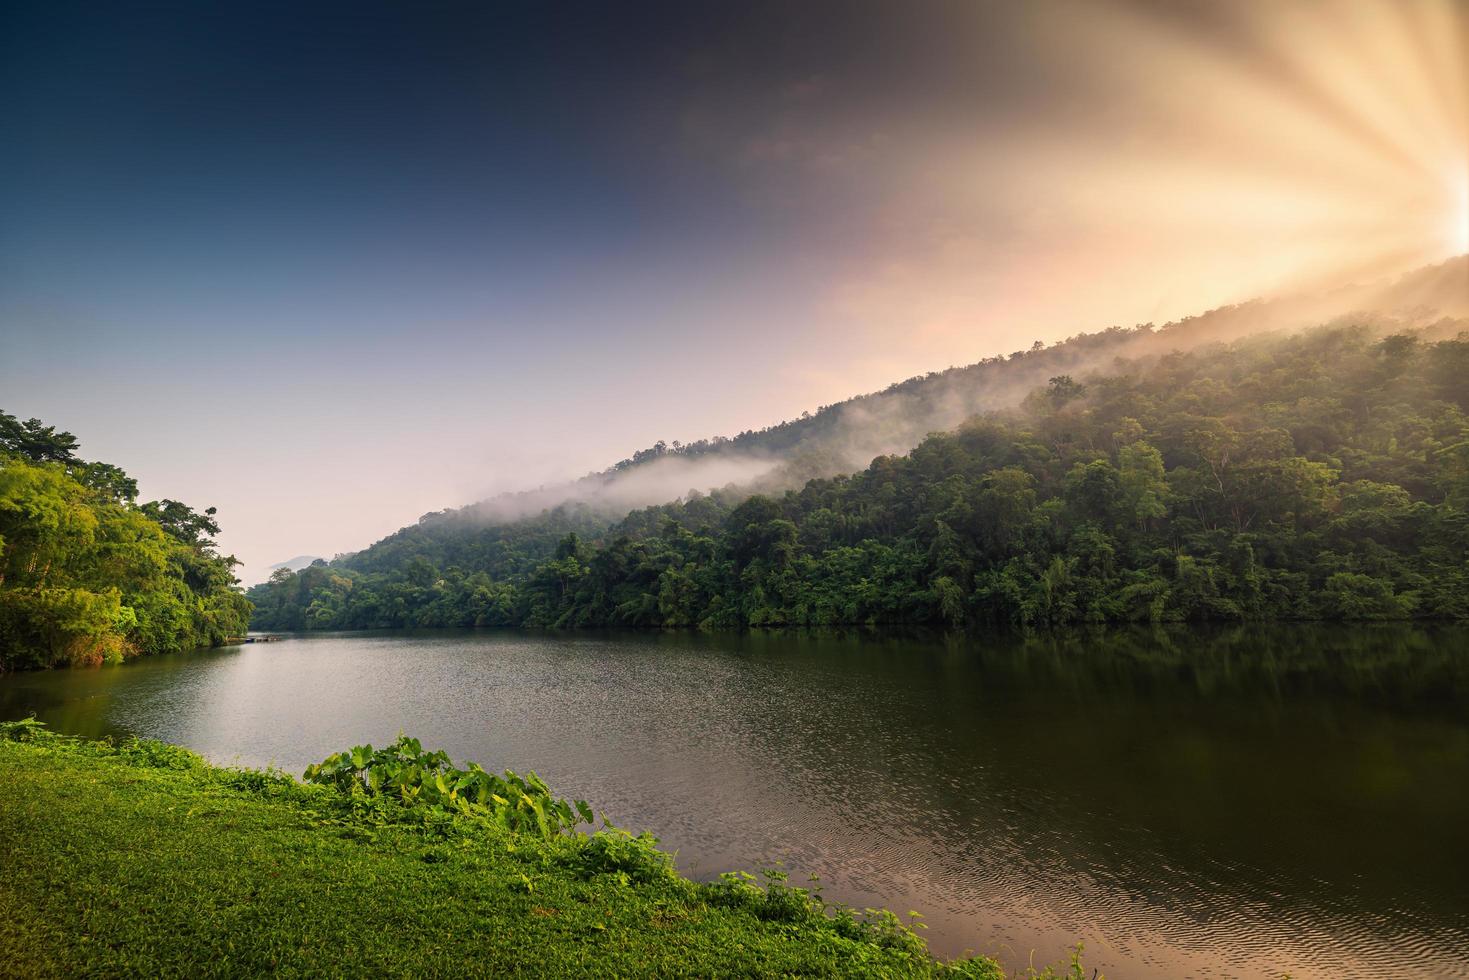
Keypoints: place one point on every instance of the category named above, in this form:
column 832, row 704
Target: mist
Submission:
column 848, row 436
column 615, row 492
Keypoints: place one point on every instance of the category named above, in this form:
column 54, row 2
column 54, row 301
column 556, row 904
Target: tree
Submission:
column 86, row 575
column 36, row 442
column 183, row 522
column 1064, row 389
column 1321, row 474
column 1144, row 484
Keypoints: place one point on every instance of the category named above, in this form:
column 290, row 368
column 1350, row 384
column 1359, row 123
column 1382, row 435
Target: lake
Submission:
column 1187, row 803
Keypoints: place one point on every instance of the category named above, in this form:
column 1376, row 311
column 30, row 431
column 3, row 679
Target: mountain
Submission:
column 845, row 437
column 481, row 564
column 295, row 564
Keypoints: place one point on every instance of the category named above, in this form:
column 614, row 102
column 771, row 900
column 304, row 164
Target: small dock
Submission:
column 271, row 638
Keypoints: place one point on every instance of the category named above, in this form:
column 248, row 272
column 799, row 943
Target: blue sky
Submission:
column 330, row 266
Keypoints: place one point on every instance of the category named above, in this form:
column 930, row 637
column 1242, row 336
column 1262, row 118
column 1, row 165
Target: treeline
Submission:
column 845, row 436
column 89, row 575
column 1319, row 475
column 941, row 400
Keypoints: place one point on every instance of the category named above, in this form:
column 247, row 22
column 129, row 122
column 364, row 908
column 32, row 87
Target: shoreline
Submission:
column 139, row 857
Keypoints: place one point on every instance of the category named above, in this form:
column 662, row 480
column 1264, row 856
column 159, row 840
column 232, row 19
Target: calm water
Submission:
column 1235, row 804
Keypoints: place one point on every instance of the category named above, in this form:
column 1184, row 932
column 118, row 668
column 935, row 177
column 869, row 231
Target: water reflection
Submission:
column 1190, row 803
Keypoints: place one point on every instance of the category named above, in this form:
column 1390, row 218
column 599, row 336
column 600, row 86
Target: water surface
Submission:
column 1238, row 803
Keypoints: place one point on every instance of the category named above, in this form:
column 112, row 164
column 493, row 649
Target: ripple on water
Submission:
column 1242, row 818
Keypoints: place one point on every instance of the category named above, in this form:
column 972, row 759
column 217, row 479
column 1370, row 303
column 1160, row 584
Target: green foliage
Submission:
column 34, row 441
column 27, row 730
column 1319, row 475
column 64, row 625
column 628, row 857
column 1072, row 971
column 415, row 778
column 192, row 870
column 87, row 575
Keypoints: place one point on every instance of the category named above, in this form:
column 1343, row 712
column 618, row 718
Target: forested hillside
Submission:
column 846, row 436
column 493, row 536
column 1319, row 474
column 89, row 575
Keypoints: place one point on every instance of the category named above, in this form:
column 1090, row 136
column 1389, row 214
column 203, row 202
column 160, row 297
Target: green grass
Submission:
column 142, row 859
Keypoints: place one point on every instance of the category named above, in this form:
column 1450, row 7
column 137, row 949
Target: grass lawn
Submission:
column 141, row 859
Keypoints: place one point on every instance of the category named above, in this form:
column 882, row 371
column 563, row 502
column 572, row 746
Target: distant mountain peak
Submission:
column 295, row 564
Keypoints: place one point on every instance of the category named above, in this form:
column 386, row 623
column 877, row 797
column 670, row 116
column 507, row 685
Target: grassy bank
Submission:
column 140, row 858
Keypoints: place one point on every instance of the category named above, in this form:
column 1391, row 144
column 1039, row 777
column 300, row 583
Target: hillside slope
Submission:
column 1317, row 474
column 492, row 535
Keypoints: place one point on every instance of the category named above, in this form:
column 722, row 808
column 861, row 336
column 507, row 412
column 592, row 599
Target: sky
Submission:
column 328, row 267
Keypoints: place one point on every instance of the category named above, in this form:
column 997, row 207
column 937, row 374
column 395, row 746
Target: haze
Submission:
column 330, row 269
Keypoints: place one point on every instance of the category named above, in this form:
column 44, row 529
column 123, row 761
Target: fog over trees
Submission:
column 1133, row 474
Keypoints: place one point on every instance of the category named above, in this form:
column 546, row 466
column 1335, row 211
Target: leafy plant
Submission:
column 26, row 730
column 413, row 777
column 615, row 851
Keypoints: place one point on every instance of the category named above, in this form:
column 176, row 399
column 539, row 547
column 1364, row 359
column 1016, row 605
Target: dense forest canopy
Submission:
column 87, row 574
column 844, row 437
column 1322, row 474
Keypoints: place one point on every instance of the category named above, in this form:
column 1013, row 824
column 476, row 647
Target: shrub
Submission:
column 419, row 779
column 615, row 851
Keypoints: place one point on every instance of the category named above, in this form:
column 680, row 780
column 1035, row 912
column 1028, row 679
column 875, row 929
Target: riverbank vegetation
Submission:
column 1322, row 475
column 88, row 574
column 140, row 858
